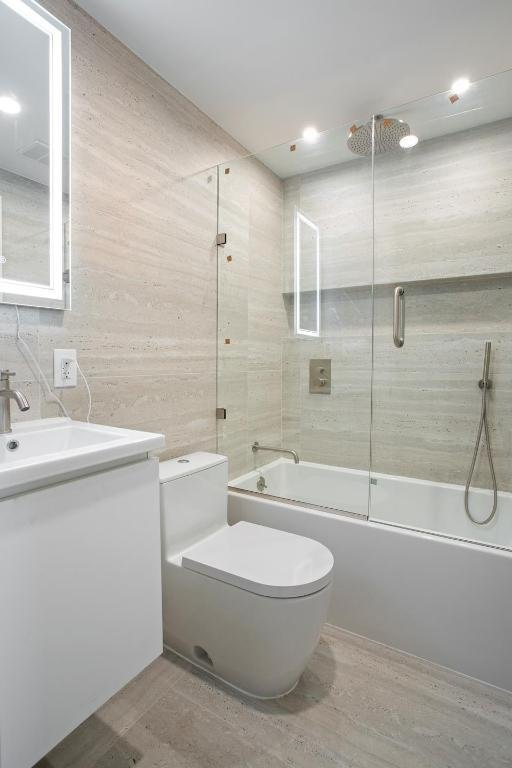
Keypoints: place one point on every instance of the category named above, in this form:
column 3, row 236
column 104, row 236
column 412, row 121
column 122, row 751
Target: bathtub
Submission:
column 403, row 501
column 438, row 597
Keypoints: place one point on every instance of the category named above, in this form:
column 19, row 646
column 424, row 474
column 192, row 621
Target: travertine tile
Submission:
column 426, row 399
column 445, row 208
column 180, row 406
column 443, row 211
column 251, row 313
column 358, row 705
column 144, row 221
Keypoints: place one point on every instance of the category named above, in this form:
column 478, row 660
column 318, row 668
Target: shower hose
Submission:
column 485, row 384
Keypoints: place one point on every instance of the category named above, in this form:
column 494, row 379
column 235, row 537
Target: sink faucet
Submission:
column 257, row 447
column 6, row 395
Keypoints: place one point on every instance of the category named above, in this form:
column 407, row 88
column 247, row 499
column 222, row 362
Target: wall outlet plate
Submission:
column 64, row 368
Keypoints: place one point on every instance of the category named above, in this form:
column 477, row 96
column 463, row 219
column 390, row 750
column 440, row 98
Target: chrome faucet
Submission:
column 257, row 447
column 6, row 395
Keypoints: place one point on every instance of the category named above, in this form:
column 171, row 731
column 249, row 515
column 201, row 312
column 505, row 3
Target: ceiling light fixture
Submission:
column 9, row 106
column 310, row 134
column 409, row 141
column 460, row 85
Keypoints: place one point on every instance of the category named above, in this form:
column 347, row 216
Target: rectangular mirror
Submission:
column 34, row 156
column 307, row 276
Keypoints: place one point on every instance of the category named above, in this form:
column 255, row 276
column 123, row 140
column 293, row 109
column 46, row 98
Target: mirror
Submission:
column 307, row 276
column 34, row 156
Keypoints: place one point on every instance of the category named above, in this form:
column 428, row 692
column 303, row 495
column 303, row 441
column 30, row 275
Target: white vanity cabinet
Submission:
column 80, row 601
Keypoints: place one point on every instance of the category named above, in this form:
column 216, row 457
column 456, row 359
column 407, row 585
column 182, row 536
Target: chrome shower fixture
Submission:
column 484, row 384
column 387, row 134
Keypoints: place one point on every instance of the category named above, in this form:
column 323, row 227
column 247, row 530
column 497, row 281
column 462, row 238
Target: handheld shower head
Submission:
column 485, row 381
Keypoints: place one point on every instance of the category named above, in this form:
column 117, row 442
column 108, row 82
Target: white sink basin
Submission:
column 39, row 452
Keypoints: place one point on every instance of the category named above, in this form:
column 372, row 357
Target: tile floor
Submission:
column 358, row 705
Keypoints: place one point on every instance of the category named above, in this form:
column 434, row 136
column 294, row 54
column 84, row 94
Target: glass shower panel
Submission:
column 443, row 281
column 294, row 322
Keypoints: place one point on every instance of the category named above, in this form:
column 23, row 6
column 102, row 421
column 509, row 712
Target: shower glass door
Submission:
column 294, row 322
column 443, row 284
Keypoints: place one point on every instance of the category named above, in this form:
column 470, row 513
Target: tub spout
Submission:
column 257, row 447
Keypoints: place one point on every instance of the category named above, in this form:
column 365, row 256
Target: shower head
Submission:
column 388, row 132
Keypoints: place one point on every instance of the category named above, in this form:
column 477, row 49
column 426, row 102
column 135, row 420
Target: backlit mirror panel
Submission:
column 307, row 276
column 34, row 156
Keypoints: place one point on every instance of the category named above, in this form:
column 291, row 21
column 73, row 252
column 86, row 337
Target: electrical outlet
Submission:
column 64, row 368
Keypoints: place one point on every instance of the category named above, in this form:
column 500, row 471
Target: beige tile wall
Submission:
column 251, row 312
column 335, row 428
column 144, row 285
column 144, row 262
column 444, row 210
column 332, row 429
column 426, row 400
column 339, row 201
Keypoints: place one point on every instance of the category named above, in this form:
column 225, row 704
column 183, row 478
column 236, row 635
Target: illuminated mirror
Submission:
column 307, row 276
column 34, row 156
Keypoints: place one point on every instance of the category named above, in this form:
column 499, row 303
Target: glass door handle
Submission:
column 399, row 316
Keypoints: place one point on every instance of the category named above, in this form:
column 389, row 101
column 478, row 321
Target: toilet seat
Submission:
column 262, row 560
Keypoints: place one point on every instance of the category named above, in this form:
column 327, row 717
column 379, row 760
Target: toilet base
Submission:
column 195, row 663
column 256, row 644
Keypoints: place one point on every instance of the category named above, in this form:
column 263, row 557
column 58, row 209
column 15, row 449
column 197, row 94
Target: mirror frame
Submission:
column 299, row 219
column 52, row 294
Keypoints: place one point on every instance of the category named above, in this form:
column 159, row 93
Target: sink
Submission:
column 39, row 452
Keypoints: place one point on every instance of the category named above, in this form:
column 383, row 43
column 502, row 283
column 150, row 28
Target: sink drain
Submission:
column 12, row 445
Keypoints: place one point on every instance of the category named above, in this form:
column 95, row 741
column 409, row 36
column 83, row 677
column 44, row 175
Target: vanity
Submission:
column 80, row 576
column 80, row 567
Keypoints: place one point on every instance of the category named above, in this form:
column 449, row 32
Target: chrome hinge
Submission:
column 221, row 413
column 222, row 238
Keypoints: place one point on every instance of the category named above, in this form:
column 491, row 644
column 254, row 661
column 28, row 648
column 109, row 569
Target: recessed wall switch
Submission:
column 64, row 368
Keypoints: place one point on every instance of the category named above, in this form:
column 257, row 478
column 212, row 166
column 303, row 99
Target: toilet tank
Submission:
column 193, row 499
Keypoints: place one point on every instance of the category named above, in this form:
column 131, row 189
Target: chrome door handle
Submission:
column 399, row 316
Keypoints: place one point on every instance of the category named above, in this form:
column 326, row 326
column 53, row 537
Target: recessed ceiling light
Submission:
column 9, row 105
column 310, row 134
column 460, row 85
column 406, row 142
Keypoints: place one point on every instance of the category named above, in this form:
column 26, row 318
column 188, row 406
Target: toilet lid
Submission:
column 262, row 560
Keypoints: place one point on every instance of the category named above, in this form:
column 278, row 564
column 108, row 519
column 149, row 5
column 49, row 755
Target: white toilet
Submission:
column 244, row 602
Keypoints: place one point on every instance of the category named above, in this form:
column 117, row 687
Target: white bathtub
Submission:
column 417, row 504
column 435, row 597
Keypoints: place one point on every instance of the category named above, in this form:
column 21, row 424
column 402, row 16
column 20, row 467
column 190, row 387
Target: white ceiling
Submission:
column 486, row 101
column 266, row 68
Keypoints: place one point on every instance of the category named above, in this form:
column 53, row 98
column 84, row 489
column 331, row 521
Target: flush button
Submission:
column 183, row 461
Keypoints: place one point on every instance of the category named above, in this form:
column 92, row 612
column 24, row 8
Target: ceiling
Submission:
column 486, row 101
column 264, row 69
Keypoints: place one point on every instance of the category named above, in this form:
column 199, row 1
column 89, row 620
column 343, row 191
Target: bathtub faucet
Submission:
column 257, row 447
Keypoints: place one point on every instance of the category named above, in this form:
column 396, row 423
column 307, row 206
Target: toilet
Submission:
column 244, row 602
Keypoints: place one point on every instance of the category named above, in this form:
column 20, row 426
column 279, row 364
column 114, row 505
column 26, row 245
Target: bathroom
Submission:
column 257, row 497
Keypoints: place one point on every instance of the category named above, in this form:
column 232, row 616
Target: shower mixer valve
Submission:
column 320, row 377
